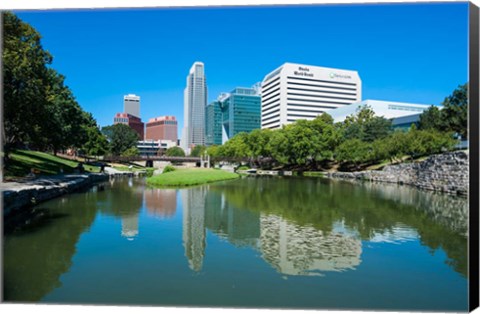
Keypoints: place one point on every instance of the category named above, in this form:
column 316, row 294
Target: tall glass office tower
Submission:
column 241, row 111
column 213, row 124
column 195, row 100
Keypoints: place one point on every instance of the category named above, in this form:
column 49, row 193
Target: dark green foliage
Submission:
column 175, row 152
column 40, row 111
column 363, row 125
column 25, row 78
column 455, row 111
column 168, row 169
column 354, row 151
column 431, row 119
column 452, row 118
column 121, row 137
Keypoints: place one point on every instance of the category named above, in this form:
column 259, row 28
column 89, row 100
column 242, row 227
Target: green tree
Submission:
column 302, row 142
column 24, row 77
column 329, row 137
column 354, row 151
column 431, row 119
column 121, row 137
column 175, row 152
column 280, row 146
column 376, row 128
column 131, row 152
column 258, row 143
column 96, row 143
column 214, row 151
column 455, row 111
column 237, row 146
column 198, row 150
column 365, row 126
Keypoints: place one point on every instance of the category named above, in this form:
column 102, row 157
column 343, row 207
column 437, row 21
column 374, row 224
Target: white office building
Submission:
column 403, row 115
column 195, row 100
column 131, row 105
column 296, row 91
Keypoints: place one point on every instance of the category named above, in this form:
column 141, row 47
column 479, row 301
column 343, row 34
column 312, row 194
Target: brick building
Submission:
column 132, row 121
column 162, row 128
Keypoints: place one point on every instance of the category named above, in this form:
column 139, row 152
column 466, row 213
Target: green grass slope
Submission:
column 188, row 177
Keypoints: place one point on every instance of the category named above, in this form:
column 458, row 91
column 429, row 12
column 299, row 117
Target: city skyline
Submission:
column 409, row 64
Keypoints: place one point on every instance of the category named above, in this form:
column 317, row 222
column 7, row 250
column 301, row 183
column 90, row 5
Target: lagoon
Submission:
column 251, row 242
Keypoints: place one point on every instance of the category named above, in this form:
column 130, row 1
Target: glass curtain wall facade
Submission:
column 213, row 124
column 241, row 112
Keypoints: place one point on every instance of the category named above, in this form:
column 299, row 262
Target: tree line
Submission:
column 360, row 140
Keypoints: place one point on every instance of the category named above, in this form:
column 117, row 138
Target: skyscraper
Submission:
column 213, row 124
column 195, row 100
column 241, row 111
column 298, row 91
column 131, row 105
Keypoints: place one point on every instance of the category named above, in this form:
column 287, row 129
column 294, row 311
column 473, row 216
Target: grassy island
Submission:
column 188, row 177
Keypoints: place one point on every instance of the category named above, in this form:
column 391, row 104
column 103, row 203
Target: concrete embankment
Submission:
column 446, row 173
column 20, row 195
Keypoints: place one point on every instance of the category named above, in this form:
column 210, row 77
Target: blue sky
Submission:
column 403, row 52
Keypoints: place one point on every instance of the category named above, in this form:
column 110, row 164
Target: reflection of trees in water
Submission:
column 240, row 226
column 124, row 198
column 304, row 250
column 193, row 201
column 290, row 248
column 367, row 211
column 450, row 211
column 35, row 259
column 161, row 202
column 123, row 201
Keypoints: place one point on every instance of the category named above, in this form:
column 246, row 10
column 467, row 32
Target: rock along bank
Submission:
column 446, row 173
column 18, row 196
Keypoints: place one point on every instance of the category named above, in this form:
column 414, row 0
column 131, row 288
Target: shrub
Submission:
column 168, row 169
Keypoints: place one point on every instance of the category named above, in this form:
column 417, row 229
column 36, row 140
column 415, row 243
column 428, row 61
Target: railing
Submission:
column 157, row 158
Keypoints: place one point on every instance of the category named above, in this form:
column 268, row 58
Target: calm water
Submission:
column 252, row 242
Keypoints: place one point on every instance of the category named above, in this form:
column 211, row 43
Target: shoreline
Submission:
column 18, row 196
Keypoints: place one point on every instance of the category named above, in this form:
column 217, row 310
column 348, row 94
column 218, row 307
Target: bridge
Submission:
column 153, row 158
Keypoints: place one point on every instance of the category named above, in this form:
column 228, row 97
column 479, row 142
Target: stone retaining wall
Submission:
column 20, row 195
column 444, row 173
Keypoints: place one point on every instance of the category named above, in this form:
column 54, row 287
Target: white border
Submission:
column 52, row 4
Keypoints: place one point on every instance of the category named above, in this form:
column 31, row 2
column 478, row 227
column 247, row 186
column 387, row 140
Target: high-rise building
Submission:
column 195, row 101
column 162, row 128
column 241, row 111
column 296, row 91
column 213, row 124
column 132, row 121
column 131, row 105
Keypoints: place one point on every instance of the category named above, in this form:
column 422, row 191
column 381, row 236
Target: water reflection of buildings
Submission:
column 130, row 226
column 290, row 248
column 304, row 250
column 161, row 202
column 193, row 201
column 239, row 226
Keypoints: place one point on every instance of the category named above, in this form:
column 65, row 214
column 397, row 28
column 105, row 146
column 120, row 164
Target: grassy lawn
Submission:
column 135, row 168
column 188, row 177
column 22, row 161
